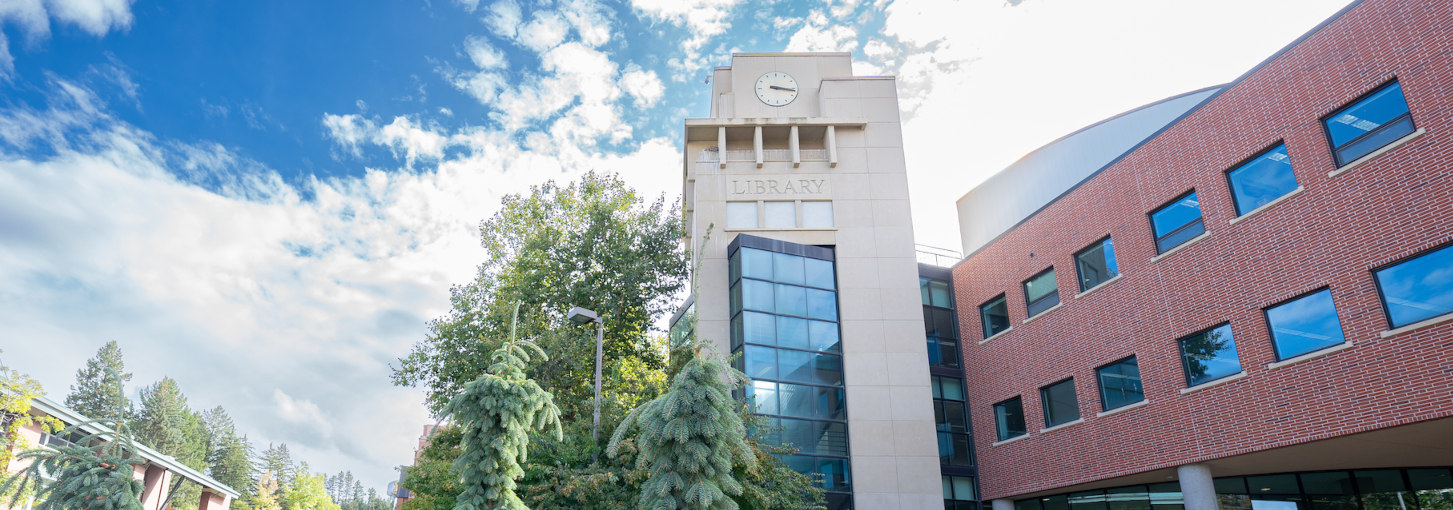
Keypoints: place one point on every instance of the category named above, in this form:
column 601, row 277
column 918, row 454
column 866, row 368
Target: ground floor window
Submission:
column 1359, row 489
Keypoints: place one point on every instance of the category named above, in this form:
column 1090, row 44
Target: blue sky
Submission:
column 267, row 200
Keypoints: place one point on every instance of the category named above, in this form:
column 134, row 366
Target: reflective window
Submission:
column 817, row 215
column 958, row 493
column 935, row 293
column 1060, row 403
column 994, row 316
column 1096, row 264
column 780, row 214
column 1009, row 418
column 1434, row 487
column 1265, row 178
column 741, row 214
column 1120, row 384
column 1374, row 489
column 1041, row 292
column 943, row 352
column 1209, row 355
column 1177, row 222
column 1369, row 123
column 952, row 419
column 1304, row 324
column 1417, row 289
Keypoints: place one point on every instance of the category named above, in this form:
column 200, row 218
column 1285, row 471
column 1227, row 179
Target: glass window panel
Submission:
column 1209, row 355
column 817, row 214
column 952, row 388
column 939, row 292
column 757, row 295
column 1096, row 264
column 741, row 215
column 1026, row 504
column 756, row 263
column 734, row 267
column 963, row 488
column 1058, row 502
column 943, row 322
column 1384, row 489
column 791, row 300
column 1166, row 496
column 948, row 354
column 1060, row 403
column 1009, row 418
column 1263, row 502
column 836, row 474
column 822, row 304
column 827, row 369
column 935, row 356
column 1120, row 384
column 1041, row 292
column 779, row 214
column 735, row 296
column 788, row 268
column 819, row 273
column 1418, row 289
column 1177, row 222
column 796, row 400
column 1261, row 180
column 764, row 394
column 948, row 489
column 1329, row 482
column 792, row 332
column 824, row 336
column 1434, row 487
column 1273, row 484
column 953, row 417
column 1367, row 115
column 831, row 404
column 1304, row 325
column 1134, row 497
column 1360, row 147
column 958, row 450
column 994, row 316
column 737, row 331
column 794, row 366
column 758, row 328
column 761, row 362
column 1231, row 485
column 923, row 291
column 1090, row 500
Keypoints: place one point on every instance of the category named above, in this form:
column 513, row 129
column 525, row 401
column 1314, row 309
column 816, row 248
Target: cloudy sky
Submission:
column 266, row 200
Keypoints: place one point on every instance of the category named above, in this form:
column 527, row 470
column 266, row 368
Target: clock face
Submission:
column 776, row 88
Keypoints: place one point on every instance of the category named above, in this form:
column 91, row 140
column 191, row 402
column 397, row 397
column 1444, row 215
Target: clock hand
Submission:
column 774, row 87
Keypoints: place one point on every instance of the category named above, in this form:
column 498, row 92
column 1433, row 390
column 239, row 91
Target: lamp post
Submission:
column 580, row 315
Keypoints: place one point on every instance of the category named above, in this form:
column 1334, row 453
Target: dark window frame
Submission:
column 983, row 321
column 1080, row 276
column 1181, row 348
column 1030, row 304
column 1231, row 186
column 1020, row 399
column 1201, row 220
column 1100, row 384
column 1271, row 335
column 1327, row 133
column 1044, row 402
column 1382, row 297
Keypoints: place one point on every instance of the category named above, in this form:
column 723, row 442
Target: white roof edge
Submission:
column 71, row 417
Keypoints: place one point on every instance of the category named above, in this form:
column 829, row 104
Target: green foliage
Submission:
column 263, row 496
column 691, row 438
column 100, row 389
column 166, row 424
column 228, row 455
column 591, row 243
column 17, row 391
column 278, row 461
column 431, row 480
column 565, row 475
column 770, row 484
column 495, row 414
column 306, row 492
column 96, row 477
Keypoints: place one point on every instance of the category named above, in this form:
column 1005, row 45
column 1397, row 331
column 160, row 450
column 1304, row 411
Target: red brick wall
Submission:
column 1329, row 235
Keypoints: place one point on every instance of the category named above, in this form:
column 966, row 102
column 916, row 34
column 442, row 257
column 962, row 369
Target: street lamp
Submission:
column 580, row 315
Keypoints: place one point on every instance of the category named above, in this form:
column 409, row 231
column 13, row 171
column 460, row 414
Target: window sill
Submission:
column 1011, row 440
column 1374, row 154
column 1076, row 421
column 1097, row 287
column 1123, row 408
column 1314, row 354
column 1181, row 246
column 1233, row 377
column 1417, row 325
column 1042, row 314
column 996, row 335
column 1268, row 205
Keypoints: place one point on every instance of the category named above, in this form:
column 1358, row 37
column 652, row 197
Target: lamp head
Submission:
column 580, row 315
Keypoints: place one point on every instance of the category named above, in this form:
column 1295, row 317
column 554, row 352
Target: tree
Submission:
column 278, row 461
column 264, row 495
column 691, row 438
column 770, row 484
column 228, row 455
column 100, row 389
column 75, row 476
column 17, row 391
column 592, row 243
column 431, row 480
column 165, row 423
column 306, row 492
column 495, row 414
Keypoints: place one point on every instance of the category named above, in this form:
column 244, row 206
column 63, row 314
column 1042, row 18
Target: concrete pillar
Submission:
column 1197, row 489
column 757, row 144
column 1001, row 504
column 721, row 146
column 831, row 146
column 796, row 147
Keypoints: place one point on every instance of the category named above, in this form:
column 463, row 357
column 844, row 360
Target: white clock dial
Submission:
column 776, row 88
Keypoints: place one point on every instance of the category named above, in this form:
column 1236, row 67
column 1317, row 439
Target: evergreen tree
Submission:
column 229, row 456
column 76, row 476
column 691, row 438
column 165, row 423
column 278, row 461
column 357, row 493
column 100, row 389
column 496, row 413
column 431, row 482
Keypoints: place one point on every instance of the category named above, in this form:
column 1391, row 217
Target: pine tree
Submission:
column 357, row 494
column 496, row 413
column 691, row 438
column 100, row 389
column 76, row 476
column 165, row 423
column 229, row 456
column 278, row 461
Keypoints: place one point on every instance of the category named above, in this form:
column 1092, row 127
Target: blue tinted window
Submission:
column 787, row 268
column 761, row 362
column 1009, row 418
column 815, row 437
column 757, row 328
column 791, row 300
column 1370, row 123
column 756, row 263
column 1096, row 264
column 1305, row 324
column 1177, row 222
column 757, row 295
column 1120, row 384
column 831, row 404
column 994, row 316
column 792, row 332
column 764, row 394
column 1261, row 180
column 1418, row 289
column 1209, row 355
column 796, row 400
column 819, row 273
column 822, row 304
column 824, row 336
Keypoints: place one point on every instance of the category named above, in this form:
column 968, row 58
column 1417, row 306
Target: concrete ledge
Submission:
column 1417, row 325
column 1268, row 205
column 1045, row 312
column 1011, row 440
column 1188, row 242
column 996, row 335
column 1233, row 377
column 1314, row 354
column 1371, row 155
column 1124, row 408
column 1076, row 421
column 1102, row 284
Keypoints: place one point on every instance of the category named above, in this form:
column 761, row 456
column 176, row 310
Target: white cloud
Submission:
column 483, row 54
column 703, row 19
column 545, row 31
column 349, row 130
column 818, row 34
column 96, row 17
column 504, row 18
column 645, row 86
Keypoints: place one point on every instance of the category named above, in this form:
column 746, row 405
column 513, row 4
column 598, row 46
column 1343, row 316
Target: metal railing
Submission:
column 935, row 256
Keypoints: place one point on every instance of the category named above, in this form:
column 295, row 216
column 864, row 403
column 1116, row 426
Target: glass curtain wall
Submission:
column 1361, row 489
column 950, row 406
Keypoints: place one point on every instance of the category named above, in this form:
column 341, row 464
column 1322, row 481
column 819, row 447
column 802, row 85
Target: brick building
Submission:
column 1238, row 296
